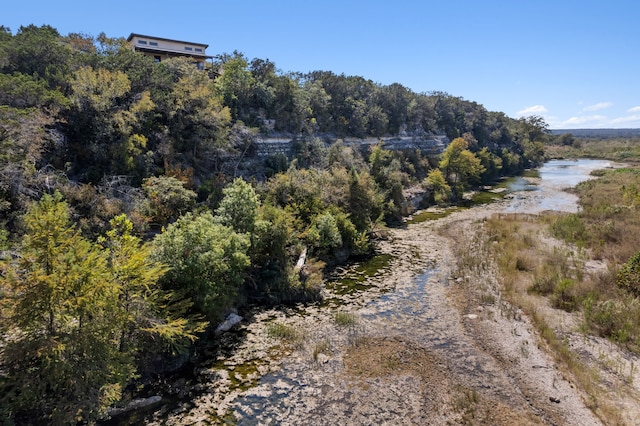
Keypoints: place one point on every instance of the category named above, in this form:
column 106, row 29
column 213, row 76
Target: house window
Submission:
column 142, row 42
column 156, row 58
column 188, row 48
column 153, row 43
column 198, row 49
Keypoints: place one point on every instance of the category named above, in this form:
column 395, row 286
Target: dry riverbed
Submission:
column 418, row 343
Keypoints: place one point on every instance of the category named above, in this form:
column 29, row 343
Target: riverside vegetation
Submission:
column 585, row 264
column 135, row 216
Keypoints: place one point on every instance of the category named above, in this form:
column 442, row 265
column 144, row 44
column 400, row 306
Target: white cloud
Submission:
column 598, row 106
column 599, row 121
column 628, row 119
column 533, row 110
column 588, row 120
column 634, row 109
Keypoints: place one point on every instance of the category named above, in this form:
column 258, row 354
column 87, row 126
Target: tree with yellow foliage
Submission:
column 460, row 166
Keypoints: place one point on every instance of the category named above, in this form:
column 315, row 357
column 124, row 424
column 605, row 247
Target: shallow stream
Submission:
column 265, row 380
column 555, row 177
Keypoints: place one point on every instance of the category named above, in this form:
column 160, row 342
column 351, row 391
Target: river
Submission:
column 553, row 178
column 406, row 357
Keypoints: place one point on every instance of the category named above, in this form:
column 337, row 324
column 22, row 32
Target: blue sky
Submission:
column 575, row 63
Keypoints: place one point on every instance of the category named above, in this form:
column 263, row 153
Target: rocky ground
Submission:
column 417, row 343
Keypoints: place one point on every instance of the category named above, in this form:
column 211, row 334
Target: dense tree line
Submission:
column 131, row 218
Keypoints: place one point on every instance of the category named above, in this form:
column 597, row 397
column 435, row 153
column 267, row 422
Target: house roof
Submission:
column 132, row 35
column 161, row 50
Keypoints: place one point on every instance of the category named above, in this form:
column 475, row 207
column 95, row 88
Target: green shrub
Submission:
column 570, row 228
column 281, row 331
column 629, row 275
column 207, row 261
column 564, row 295
column 345, row 319
column 544, row 282
column 167, row 198
column 238, row 208
column 523, row 263
column 324, row 235
column 615, row 319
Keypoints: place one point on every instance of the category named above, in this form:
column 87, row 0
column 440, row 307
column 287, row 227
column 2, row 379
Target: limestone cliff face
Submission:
column 432, row 144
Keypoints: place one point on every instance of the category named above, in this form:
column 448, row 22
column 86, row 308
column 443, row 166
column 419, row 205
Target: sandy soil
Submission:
column 426, row 347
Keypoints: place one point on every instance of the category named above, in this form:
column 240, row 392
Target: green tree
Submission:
column 168, row 198
column 236, row 85
column 511, row 161
column 353, row 241
column 438, row 185
column 98, row 90
column 291, row 106
column 116, row 55
column 310, row 152
column 196, row 120
column 264, row 73
column 109, row 120
column 25, row 91
column 60, row 357
column 532, row 133
column 491, row 163
column 356, row 118
column 5, row 40
column 148, row 315
column 377, row 121
column 298, row 191
column 388, row 175
column 324, row 235
column 239, row 207
column 565, row 139
column 41, row 52
column 271, row 269
column 394, row 101
column 460, row 166
column 317, row 100
column 207, row 261
column 365, row 204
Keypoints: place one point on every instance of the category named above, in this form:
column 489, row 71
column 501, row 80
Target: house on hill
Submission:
column 163, row 48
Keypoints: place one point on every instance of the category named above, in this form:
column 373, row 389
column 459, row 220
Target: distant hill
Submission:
column 599, row 133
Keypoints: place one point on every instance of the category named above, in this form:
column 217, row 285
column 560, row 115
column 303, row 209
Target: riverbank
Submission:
column 416, row 343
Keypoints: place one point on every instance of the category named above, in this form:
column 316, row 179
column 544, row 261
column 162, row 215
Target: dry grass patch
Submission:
column 285, row 332
column 379, row 357
column 389, row 357
column 556, row 278
column 322, row 347
column 474, row 409
column 345, row 319
column 618, row 149
column 609, row 215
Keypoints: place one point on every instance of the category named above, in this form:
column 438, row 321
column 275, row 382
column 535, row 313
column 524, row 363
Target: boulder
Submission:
column 228, row 324
column 136, row 404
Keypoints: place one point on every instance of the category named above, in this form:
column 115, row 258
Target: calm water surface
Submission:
column 568, row 173
column 555, row 177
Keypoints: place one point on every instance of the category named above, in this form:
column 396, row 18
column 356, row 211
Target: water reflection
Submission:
column 568, row 173
column 555, row 177
column 407, row 300
column 519, row 183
